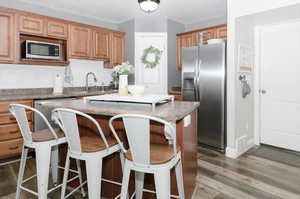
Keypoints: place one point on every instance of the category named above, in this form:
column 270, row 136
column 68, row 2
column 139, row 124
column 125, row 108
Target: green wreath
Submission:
column 151, row 50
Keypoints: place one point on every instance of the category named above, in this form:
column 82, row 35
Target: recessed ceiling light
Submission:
column 149, row 5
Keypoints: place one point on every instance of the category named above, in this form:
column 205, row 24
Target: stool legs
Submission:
column 80, row 177
column 21, row 171
column 162, row 183
column 139, row 184
column 54, row 164
column 94, row 176
column 125, row 181
column 65, row 179
column 179, row 179
column 43, row 152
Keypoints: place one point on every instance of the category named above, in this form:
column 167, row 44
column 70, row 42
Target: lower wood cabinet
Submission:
column 10, row 148
column 11, row 140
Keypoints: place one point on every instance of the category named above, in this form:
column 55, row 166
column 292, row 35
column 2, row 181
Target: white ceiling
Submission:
column 117, row 11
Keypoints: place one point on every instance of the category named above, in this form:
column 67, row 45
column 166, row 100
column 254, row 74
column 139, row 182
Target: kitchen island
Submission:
column 183, row 114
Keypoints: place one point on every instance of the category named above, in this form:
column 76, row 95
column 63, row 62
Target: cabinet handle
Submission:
column 13, row 148
column 13, row 132
column 12, row 118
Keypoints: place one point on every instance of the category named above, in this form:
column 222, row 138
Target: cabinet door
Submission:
column 31, row 24
column 221, row 32
column 209, row 34
column 7, row 37
column 117, row 48
column 57, row 29
column 178, row 52
column 80, row 42
column 183, row 41
column 101, row 42
column 189, row 40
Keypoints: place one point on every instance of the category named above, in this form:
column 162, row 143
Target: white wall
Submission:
column 129, row 28
column 25, row 76
column 174, row 74
column 206, row 23
column 243, row 17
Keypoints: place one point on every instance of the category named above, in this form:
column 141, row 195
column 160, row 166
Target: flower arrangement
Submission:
column 123, row 69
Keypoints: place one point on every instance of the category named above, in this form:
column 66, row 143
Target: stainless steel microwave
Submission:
column 40, row 50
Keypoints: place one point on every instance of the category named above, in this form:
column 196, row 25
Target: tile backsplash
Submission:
column 27, row 76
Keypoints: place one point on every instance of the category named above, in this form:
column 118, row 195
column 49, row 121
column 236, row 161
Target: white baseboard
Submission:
column 231, row 152
column 240, row 148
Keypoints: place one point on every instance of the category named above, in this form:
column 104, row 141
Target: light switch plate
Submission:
column 187, row 121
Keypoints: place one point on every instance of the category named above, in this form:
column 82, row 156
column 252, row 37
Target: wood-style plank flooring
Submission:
column 262, row 173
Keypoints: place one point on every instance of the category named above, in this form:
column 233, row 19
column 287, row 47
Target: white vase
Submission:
column 123, row 85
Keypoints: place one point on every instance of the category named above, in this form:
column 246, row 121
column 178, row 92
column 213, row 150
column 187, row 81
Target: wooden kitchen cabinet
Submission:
column 183, row 41
column 7, row 37
column 57, row 29
column 11, row 140
column 221, row 32
column 117, row 51
column 101, row 44
column 80, row 41
column 192, row 38
column 209, row 34
column 31, row 24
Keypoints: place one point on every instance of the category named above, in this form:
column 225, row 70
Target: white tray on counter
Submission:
column 145, row 99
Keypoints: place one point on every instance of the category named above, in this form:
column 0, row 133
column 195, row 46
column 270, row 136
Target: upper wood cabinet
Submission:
column 183, row 41
column 7, row 37
column 192, row 38
column 209, row 34
column 221, row 32
column 57, row 28
column 31, row 24
column 101, row 44
column 117, row 55
column 80, row 42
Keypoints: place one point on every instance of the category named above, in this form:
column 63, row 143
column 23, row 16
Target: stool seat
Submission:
column 90, row 144
column 159, row 153
column 45, row 135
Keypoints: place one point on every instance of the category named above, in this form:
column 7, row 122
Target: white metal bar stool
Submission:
column 144, row 157
column 45, row 143
column 91, row 149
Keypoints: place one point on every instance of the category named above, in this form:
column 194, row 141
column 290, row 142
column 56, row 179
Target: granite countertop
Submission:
column 47, row 93
column 172, row 111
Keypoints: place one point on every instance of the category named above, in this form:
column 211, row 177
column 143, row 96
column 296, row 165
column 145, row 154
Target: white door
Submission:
column 280, row 85
column 154, row 79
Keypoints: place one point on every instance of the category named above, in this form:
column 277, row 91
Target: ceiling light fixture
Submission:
column 149, row 5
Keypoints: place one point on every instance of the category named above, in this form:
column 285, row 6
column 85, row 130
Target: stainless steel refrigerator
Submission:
column 204, row 80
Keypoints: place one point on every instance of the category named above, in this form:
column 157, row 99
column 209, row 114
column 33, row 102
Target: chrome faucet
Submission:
column 87, row 80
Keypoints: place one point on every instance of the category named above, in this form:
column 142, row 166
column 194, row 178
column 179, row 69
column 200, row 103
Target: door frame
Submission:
column 257, row 77
column 136, row 59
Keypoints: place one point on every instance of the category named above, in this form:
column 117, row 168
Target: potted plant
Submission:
column 123, row 71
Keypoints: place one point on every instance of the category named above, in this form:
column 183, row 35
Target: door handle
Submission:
column 262, row 91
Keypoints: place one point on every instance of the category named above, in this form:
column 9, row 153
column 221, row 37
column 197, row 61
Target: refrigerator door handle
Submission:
column 198, row 80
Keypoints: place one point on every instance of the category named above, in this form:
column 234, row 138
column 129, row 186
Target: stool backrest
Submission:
column 67, row 120
column 19, row 112
column 137, row 129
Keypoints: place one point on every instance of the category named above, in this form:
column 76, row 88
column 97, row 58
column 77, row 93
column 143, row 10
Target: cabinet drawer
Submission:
column 4, row 105
column 7, row 118
column 11, row 131
column 11, row 148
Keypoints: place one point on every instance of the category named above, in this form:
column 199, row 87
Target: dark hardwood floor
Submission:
column 262, row 173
